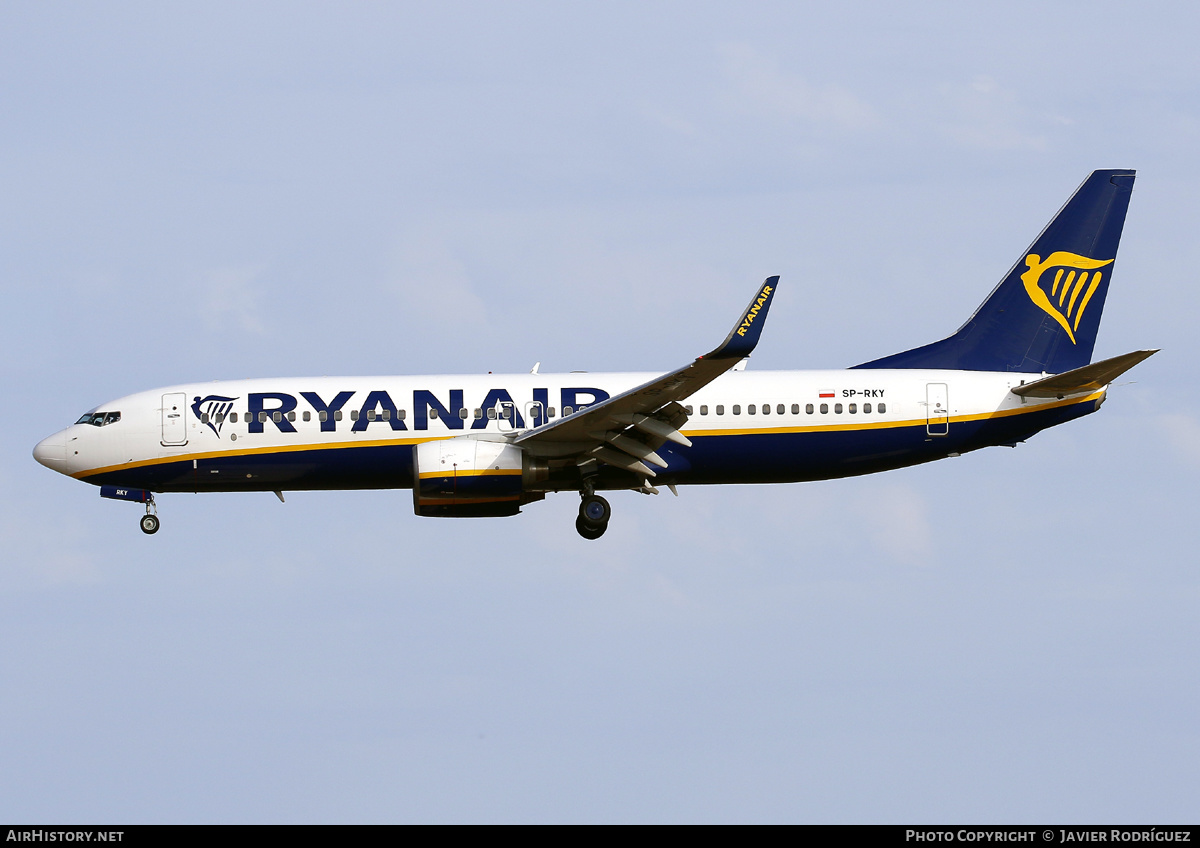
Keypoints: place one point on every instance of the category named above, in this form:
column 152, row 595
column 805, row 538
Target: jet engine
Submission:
column 469, row 477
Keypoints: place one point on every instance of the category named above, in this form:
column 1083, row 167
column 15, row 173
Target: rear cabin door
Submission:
column 174, row 422
column 937, row 402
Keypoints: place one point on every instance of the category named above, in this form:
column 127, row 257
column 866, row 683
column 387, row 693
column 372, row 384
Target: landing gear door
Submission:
column 174, row 420
column 937, row 402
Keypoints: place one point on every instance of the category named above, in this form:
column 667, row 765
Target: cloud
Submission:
column 758, row 84
column 231, row 298
column 985, row 115
column 1183, row 433
column 427, row 276
column 899, row 526
column 671, row 121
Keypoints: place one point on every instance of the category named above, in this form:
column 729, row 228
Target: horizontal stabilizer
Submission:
column 1089, row 378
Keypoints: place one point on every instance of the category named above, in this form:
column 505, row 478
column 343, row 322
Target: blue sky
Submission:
column 209, row 191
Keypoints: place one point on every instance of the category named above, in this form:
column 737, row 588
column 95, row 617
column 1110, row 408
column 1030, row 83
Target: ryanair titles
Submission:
column 753, row 313
column 361, row 410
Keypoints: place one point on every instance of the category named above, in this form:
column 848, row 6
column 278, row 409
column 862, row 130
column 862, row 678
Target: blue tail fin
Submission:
column 1045, row 313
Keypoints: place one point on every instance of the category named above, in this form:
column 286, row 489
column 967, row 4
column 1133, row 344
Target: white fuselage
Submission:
column 746, row 426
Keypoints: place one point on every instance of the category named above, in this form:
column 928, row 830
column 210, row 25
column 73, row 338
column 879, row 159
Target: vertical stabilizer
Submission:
column 1044, row 314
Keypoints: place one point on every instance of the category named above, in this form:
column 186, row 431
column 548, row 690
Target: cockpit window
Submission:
column 99, row 419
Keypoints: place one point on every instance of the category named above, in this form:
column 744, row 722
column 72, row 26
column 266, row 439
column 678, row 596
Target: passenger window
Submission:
column 400, row 414
column 307, row 415
column 779, row 409
column 322, row 416
column 808, row 407
column 203, row 417
column 233, row 417
column 262, row 418
column 720, row 409
column 370, row 415
column 291, row 416
column 567, row 411
column 853, row 408
column 492, row 413
column 550, row 412
column 433, row 412
column 737, row 409
column 276, row 417
column 220, row 418
column 354, row 415
column 703, row 409
column 478, row 413
column 824, row 408
column 337, row 415
column 750, row 409
column 837, row 408
column 385, row 414
column 767, row 409
column 882, row 407
column 866, row 409
column 462, row 413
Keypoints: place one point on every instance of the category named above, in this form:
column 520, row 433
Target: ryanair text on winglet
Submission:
column 753, row 313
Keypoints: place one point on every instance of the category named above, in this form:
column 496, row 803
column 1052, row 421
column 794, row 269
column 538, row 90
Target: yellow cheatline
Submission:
column 481, row 472
column 182, row 457
column 453, row 501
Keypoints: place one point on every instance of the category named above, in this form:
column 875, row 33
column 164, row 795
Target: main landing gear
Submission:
column 594, row 513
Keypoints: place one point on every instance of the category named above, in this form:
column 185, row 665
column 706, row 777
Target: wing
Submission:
column 625, row 429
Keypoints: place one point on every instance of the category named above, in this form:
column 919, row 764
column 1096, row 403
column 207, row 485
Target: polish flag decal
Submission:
column 826, row 393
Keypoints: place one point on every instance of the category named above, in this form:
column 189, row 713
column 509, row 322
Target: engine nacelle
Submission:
column 465, row 477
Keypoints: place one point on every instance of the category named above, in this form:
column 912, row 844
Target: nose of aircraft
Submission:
column 52, row 451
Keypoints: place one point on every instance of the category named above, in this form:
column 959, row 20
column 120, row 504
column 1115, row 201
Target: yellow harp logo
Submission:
column 1075, row 281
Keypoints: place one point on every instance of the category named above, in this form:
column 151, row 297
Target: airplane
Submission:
column 488, row 445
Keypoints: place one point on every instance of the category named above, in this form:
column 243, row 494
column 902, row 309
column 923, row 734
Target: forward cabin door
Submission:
column 937, row 403
column 174, row 423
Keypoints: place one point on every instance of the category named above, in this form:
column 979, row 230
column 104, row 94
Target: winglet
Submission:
column 744, row 335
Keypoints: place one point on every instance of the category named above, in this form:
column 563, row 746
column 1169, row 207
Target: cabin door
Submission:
column 174, row 420
column 937, row 403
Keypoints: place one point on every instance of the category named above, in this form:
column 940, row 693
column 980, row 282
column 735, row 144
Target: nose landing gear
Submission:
column 594, row 513
column 150, row 522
